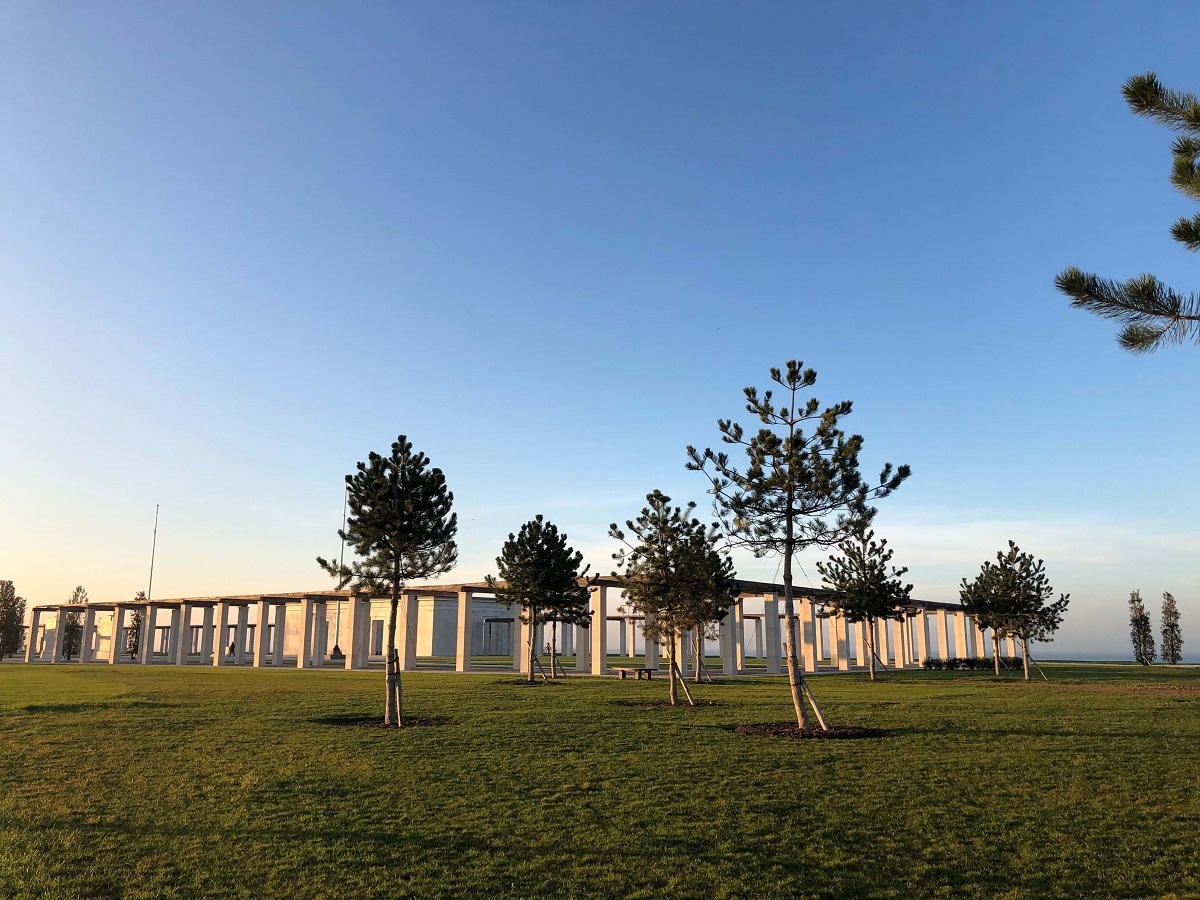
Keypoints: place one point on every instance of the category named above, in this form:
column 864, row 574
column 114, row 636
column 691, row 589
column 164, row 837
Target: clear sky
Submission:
column 241, row 245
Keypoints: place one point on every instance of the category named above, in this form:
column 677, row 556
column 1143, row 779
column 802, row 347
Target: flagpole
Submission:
column 153, row 548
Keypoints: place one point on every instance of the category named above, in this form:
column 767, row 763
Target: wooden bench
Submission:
column 626, row 672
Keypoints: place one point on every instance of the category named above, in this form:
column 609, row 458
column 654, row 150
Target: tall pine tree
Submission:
column 12, row 619
column 800, row 488
column 542, row 575
column 1172, row 637
column 1152, row 313
column 1140, row 632
column 674, row 576
column 400, row 527
column 866, row 590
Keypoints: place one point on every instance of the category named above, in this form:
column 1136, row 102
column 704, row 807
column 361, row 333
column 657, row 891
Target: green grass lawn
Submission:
column 165, row 782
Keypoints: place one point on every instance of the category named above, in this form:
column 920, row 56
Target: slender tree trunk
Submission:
column 1025, row 655
column 699, row 654
column 394, row 714
column 996, row 650
column 871, row 647
column 686, row 692
column 554, row 648
column 672, row 691
column 789, row 613
column 531, row 610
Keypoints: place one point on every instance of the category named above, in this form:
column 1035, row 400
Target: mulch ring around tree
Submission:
column 525, row 682
column 666, row 704
column 814, row 732
column 360, row 721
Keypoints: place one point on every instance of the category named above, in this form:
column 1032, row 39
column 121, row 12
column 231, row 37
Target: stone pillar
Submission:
column 221, row 630
column 279, row 634
column 320, row 632
column 60, row 631
column 114, row 643
column 939, row 618
column 85, row 637
column 840, row 643
column 739, row 636
column 727, row 634
column 173, row 636
column 407, row 627
column 771, row 626
column 358, row 611
column 304, row 656
column 31, row 641
column 922, row 638
column 207, row 637
column 982, row 642
column 599, row 630
column 146, row 641
column 567, row 630
column 261, row 635
column 239, row 636
column 622, row 638
column 1012, row 645
column 759, row 649
column 900, row 647
column 466, row 618
column 809, row 650
column 583, row 647
column 653, row 651
column 960, row 635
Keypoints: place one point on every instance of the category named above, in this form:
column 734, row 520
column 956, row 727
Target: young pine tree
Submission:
column 542, row 575
column 799, row 487
column 133, row 631
column 866, row 589
column 1140, row 632
column 1172, row 637
column 1152, row 313
column 73, row 624
column 400, row 527
column 12, row 619
column 674, row 575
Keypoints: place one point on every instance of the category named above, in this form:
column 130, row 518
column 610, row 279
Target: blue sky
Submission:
column 241, row 245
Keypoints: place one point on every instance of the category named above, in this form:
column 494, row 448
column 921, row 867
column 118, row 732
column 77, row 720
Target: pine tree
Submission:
column 1172, row 637
column 674, row 575
column 1152, row 313
column 400, row 527
column 1139, row 630
column 542, row 575
column 799, row 488
column 12, row 619
column 133, row 631
column 72, row 624
column 866, row 590
column 1013, row 597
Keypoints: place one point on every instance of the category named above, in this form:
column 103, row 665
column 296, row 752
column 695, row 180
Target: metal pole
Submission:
column 153, row 548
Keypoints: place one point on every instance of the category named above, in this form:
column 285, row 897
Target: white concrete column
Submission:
column 759, row 644
column 808, row 635
column 922, row 638
column 982, row 642
column 1012, row 645
column 207, row 637
column 943, row 632
column 173, row 636
column 358, row 614
column 599, row 630
column 304, row 656
column 583, row 647
column 221, row 630
column 146, row 639
column 653, row 650
column 960, row 635
column 279, row 634
column 115, row 642
column 739, row 636
column 409, row 608
column 60, row 635
column 771, row 626
column 31, row 641
column 519, row 648
column 239, row 636
column 320, row 632
column 622, row 642
column 466, row 618
column 566, row 629
column 261, row 634
column 840, row 643
column 184, row 647
column 85, row 637
column 727, row 640
column 900, row 642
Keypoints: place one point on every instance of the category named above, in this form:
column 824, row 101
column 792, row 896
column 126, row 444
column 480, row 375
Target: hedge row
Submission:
column 972, row 662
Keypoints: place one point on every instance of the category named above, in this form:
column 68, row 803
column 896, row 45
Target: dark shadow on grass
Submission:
column 812, row 732
column 94, row 705
column 359, row 720
column 525, row 682
column 666, row 704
